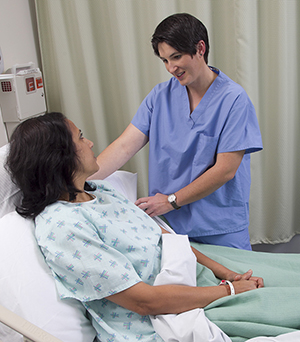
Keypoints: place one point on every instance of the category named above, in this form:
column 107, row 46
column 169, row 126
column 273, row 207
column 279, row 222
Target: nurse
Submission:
column 201, row 128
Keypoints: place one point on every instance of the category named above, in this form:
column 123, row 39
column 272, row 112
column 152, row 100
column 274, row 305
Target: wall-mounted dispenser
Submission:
column 21, row 94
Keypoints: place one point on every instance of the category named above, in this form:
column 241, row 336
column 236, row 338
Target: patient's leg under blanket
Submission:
column 269, row 311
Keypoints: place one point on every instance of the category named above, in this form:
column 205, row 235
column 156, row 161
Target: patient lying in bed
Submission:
column 106, row 252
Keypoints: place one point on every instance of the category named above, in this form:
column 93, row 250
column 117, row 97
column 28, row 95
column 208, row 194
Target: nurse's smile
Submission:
column 179, row 76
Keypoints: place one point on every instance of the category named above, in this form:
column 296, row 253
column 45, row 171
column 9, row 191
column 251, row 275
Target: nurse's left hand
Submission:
column 154, row 205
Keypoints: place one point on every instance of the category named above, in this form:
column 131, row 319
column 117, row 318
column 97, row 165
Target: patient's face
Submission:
column 87, row 159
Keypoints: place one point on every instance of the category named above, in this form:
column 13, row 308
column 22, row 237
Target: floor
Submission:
column 293, row 246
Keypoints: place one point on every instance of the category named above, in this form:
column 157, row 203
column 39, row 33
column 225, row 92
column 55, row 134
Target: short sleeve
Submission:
column 241, row 130
column 85, row 268
column 142, row 118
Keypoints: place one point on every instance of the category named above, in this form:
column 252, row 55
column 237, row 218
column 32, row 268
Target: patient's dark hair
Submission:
column 42, row 161
column 183, row 32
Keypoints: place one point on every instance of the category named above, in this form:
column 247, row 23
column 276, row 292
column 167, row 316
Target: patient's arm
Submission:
column 120, row 151
column 222, row 272
column 172, row 299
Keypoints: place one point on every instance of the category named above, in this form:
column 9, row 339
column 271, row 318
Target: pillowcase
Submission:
column 125, row 182
column 10, row 195
column 28, row 288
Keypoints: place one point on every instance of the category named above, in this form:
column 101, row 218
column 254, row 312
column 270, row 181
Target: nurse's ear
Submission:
column 201, row 48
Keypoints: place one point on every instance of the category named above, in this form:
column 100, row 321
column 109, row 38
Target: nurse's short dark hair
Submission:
column 183, row 32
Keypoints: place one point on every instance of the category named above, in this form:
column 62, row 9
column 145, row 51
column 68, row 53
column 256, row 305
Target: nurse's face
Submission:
column 184, row 67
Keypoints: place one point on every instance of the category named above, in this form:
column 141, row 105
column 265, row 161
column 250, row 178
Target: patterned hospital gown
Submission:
column 99, row 248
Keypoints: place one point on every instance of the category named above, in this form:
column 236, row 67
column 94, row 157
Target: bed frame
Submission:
column 30, row 332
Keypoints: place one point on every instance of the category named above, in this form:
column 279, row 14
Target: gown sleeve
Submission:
column 84, row 267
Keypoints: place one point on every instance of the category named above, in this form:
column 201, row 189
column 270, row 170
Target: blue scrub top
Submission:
column 183, row 146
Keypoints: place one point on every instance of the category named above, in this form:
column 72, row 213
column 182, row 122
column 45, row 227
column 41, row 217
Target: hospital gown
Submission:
column 184, row 145
column 99, row 248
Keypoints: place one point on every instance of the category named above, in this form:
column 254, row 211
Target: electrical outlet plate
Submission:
column 1, row 62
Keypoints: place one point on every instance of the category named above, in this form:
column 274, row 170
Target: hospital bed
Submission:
column 30, row 309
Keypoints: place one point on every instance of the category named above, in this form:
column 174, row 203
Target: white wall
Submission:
column 18, row 39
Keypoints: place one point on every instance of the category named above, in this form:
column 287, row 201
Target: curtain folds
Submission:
column 98, row 65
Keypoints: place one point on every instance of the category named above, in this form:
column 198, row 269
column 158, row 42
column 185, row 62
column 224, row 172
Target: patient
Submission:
column 103, row 250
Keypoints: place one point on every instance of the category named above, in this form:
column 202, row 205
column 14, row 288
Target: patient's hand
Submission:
column 244, row 285
column 247, row 276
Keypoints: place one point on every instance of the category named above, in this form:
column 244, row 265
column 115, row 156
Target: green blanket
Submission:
column 269, row 311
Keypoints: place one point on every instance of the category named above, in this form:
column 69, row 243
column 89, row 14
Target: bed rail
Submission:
column 30, row 332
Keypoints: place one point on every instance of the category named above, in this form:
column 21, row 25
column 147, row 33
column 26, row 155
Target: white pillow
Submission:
column 28, row 288
column 125, row 182
column 10, row 195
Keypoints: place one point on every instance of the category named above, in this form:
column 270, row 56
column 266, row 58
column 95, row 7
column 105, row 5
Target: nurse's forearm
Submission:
column 110, row 160
column 223, row 170
column 120, row 151
column 211, row 180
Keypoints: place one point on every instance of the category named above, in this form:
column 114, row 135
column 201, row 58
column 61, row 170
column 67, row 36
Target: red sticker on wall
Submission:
column 30, row 84
column 39, row 82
